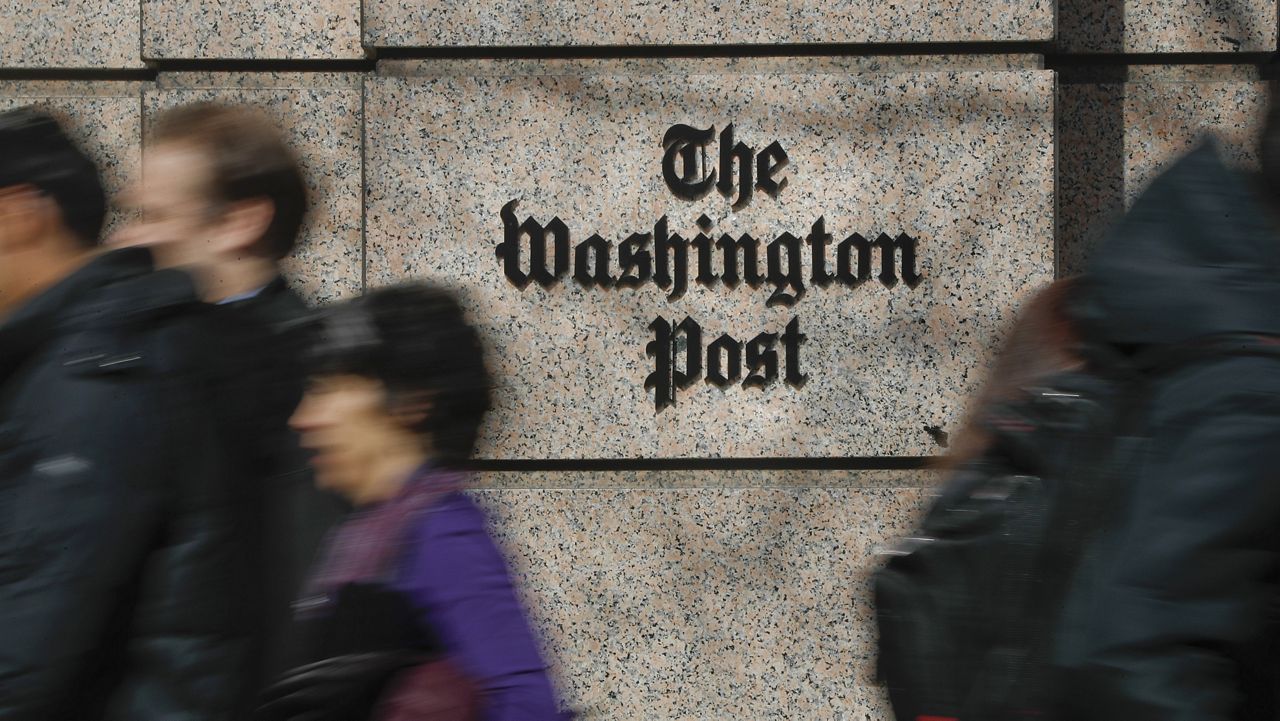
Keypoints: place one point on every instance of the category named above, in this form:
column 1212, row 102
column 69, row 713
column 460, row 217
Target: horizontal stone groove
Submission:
column 1067, row 61
column 77, row 74
column 710, row 51
column 853, row 463
column 1074, row 67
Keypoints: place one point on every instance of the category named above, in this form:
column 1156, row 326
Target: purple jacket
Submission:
column 454, row 573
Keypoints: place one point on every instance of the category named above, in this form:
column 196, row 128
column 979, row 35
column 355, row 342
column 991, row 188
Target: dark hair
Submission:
column 1043, row 340
column 35, row 151
column 247, row 159
column 413, row 338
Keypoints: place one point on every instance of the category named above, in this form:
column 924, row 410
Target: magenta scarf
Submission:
column 365, row 546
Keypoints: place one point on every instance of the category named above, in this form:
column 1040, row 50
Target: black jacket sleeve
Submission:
column 1182, row 587
column 80, row 507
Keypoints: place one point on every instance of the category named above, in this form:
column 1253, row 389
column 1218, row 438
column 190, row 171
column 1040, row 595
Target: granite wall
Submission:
column 692, row 545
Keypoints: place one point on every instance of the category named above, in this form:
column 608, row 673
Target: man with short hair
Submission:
column 222, row 196
column 119, row 553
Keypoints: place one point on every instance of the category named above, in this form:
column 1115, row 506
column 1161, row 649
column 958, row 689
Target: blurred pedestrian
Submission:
column 1176, row 615
column 222, row 196
column 968, row 606
column 412, row 582
column 119, row 553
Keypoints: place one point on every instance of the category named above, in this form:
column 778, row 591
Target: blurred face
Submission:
column 344, row 420
column 174, row 215
column 27, row 218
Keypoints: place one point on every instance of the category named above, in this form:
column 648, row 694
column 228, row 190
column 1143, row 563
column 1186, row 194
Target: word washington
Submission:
column 663, row 258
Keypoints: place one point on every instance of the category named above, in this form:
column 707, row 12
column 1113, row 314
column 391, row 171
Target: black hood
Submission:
column 1198, row 255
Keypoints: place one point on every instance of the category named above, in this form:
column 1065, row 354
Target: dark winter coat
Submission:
column 1175, row 615
column 120, row 555
column 261, row 341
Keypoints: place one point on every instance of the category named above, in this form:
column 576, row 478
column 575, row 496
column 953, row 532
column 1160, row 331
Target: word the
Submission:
column 693, row 179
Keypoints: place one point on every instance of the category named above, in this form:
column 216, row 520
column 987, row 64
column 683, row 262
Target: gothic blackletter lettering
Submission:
column 791, row 276
column 659, row 349
column 729, row 152
column 906, row 245
column 670, row 249
column 665, row 348
column 591, row 262
column 703, row 244
column 771, row 160
column 722, row 371
column 633, row 257
column 844, row 262
column 509, row 249
column 746, row 245
column 791, row 341
column 818, row 240
column 687, row 146
column 762, row 361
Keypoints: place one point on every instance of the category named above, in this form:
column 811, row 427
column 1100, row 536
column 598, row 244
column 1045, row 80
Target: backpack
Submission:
column 968, row 608
column 965, row 606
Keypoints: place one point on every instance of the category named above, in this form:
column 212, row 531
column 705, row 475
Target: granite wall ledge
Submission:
column 740, row 479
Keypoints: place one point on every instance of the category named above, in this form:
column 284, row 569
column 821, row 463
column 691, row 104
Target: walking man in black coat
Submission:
column 119, row 551
column 222, row 196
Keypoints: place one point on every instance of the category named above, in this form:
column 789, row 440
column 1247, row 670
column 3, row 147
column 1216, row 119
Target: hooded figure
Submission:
column 1174, row 614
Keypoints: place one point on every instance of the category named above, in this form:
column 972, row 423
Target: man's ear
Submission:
column 24, row 215
column 410, row 409
column 244, row 223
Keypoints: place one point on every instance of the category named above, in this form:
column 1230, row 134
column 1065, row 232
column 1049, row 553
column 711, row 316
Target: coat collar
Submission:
column 114, row 288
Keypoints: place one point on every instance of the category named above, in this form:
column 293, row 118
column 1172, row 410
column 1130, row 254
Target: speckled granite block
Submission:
column 74, row 88
column 705, row 604
column 323, row 126
column 69, row 34
column 260, row 80
column 1166, row 26
column 961, row 161
column 108, row 127
column 453, row 23
column 1115, row 138
column 251, row 29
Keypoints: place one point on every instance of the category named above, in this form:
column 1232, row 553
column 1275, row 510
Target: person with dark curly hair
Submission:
column 397, row 394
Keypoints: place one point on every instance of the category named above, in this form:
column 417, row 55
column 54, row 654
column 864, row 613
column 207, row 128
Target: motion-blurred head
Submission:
column 52, row 205
column 220, row 194
column 397, row 379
